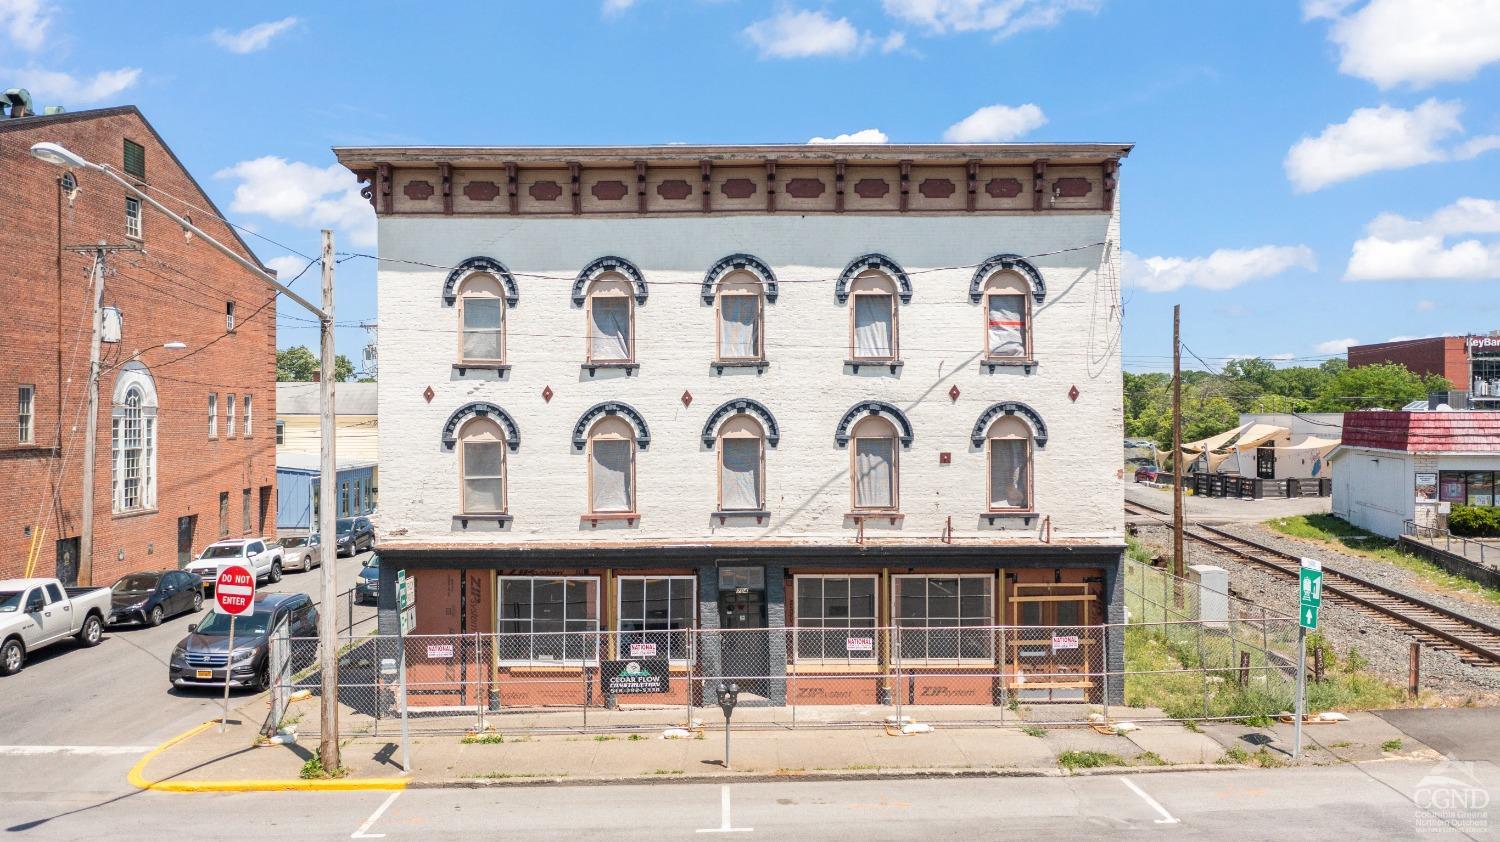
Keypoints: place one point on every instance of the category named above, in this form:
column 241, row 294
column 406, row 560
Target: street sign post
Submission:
column 406, row 600
column 1309, row 600
column 234, row 594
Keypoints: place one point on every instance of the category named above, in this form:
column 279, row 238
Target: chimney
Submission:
column 317, row 375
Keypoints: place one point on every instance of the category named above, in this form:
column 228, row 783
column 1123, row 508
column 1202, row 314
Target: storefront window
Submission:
column 1481, row 488
column 835, row 617
column 656, row 616
column 933, row 612
column 1451, row 487
column 549, row 619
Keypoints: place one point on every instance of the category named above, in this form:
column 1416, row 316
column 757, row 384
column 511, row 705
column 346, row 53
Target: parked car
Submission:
column 1147, row 473
column 39, row 612
column 154, row 595
column 203, row 658
column 300, row 552
column 262, row 556
column 356, row 535
column 367, row 585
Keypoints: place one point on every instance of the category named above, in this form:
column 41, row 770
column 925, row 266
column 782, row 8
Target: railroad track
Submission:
column 1471, row 641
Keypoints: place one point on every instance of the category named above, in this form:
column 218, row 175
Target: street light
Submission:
column 59, row 155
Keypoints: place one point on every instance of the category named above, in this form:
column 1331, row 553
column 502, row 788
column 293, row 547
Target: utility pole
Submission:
column 328, row 744
column 1178, row 469
column 91, row 428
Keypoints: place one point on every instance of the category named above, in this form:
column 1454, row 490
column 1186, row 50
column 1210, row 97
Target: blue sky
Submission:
column 1305, row 173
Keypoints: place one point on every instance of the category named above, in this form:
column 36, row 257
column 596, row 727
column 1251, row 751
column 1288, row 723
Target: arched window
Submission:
column 873, row 331
column 1009, row 442
column 740, row 311
column 873, row 465
column 133, row 441
column 481, row 319
column 481, row 446
column 742, row 465
column 1007, row 317
column 611, row 319
column 611, row 466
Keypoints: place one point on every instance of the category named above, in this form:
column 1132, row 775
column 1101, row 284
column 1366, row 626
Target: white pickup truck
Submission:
column 261, row 555
column 40, row 612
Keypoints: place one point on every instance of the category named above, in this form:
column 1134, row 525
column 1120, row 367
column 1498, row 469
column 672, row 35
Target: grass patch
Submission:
column 1033, row 731
column 483, row 739
column 604, row 738
column 1392, row 745
column 313, row 770
column 1192, row 725
column 635, row 738
column 1234, row 755
column 1072, row 760
column 1337, row 533
column 500, row 776
column 666, row 771
column 1340, row 744
column 1150, row 758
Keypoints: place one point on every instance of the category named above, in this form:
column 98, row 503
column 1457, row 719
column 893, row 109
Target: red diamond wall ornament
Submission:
column 429, row 394
column 953, row 393
column 547, row 394
column 1073, row 394
column 687, row 398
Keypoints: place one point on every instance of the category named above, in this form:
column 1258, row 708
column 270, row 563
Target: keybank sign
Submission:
column 1484, row 343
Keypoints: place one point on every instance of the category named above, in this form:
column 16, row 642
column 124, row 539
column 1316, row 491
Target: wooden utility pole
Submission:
column 328, row 745
column 1179, row 471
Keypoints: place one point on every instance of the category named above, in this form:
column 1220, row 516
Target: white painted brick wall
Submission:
column 1076, row 340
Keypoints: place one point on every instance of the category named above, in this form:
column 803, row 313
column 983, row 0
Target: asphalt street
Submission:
column 1345, row 802
column 77, row 719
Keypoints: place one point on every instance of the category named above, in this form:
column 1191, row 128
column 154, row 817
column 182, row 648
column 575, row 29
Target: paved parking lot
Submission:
column 71, row 714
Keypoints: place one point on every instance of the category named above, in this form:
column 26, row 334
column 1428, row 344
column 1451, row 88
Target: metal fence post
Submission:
column 792, row 664
column 692, row 662
column 1104, row 651
column 1203, row 667
column 897, row 691
column 1004, row 680
column 479, row 690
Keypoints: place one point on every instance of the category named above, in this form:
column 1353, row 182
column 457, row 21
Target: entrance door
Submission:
column 1265, row 462
column 67, row 561
column 742, row 613
column 185, row 527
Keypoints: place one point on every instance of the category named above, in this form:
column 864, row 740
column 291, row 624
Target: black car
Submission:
column 154, row 595
column 367, row 585
column 203, row 658
column 356, row 535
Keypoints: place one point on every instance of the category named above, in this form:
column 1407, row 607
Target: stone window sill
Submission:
column 990, row 364
column 629, row 517
column 759, row 515
column 464, row 368
column 892, row 516
column 1026, row 518
column 759, row 365
column 499, row 519
column 856, row 365
column 628, row 367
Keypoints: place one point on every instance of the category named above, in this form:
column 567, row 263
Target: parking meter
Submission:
column 729, row 696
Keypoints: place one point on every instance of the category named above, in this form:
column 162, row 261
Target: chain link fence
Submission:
column 1177, row 665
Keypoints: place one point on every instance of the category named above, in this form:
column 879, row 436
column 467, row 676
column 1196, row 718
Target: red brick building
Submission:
column 186, row 446
column 1447, row 356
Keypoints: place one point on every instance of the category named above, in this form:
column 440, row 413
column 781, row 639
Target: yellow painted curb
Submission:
column 139, row 781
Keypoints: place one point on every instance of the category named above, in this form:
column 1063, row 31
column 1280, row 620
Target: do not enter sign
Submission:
column 234, row 591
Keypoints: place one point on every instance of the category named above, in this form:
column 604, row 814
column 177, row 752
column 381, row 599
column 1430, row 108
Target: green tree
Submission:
column 1381, row 386
column 298, row 365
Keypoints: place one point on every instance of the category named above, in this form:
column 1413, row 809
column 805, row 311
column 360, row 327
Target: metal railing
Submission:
column 1433, row 535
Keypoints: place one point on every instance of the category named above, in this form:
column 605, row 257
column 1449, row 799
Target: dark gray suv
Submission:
column 203, row 658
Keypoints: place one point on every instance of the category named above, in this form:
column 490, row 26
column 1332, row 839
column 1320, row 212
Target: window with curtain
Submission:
column 482, row 457
column 936, row 613
column 481, row 306
column 611, row 467
column 1010, row 464
column 610, row 321
column 229, row 416
column 656, row 616
column 832, row 610
column 249, row 415
column 548, row 619
column 741, row 451
column 213, row 415
column 740, row 316
column 133, row 446
column 1006, row 325
column 873, row 334
column 874, row 455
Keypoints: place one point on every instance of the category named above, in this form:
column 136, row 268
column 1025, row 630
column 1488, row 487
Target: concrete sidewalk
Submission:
column 207, row 760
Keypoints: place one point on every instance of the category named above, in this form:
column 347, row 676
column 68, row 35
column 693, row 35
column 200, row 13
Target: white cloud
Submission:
column 302, row 194
column 996, row 124
column 1002, row 17
column 793, row 33
column 1382, row 138
column 54, row 87
column 1336, row 346
column 252, row 39
column 1412, row 42
column 25, row 22
column 1426, row 305
column 1397, row 248
column 286, row 266
column 1221, row 270
column 861, row 136
column 893, row 42
column 610, row 8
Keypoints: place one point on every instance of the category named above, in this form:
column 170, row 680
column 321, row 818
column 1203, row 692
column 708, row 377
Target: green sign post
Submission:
column 406, row 600
column 1309, row 600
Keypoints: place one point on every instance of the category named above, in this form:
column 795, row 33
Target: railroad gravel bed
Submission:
column 1384, row 646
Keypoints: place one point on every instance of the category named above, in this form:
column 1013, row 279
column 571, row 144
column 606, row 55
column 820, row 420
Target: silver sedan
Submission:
column 301, row 553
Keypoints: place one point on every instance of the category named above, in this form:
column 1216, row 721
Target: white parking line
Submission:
column 1166, row 818
column 724, row 823
column 28, row 751
column 363, row 832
